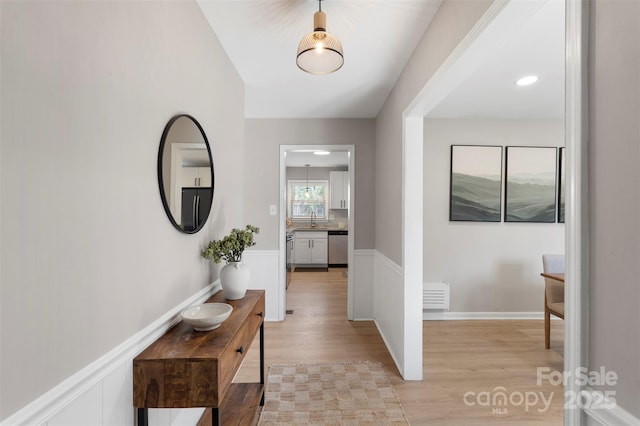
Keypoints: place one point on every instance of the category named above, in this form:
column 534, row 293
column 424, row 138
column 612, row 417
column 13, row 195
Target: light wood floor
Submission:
column 479, row 359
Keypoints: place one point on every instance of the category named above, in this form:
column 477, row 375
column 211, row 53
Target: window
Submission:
column 301, row 203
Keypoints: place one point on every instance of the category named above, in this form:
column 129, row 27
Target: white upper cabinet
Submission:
column 339, row 190
column 196, row 177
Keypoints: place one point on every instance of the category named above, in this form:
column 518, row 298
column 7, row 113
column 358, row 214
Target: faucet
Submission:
column 313, row 215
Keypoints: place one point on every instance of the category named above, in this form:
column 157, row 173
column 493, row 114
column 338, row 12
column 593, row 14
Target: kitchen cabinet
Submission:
column 195, row 177
column 338, row 190
column 310, row 248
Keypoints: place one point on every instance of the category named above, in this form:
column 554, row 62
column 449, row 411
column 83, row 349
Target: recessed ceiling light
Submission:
column 528, row 80
column 321, row 152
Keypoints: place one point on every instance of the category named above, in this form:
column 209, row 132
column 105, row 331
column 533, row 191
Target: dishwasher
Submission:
column 338, row 251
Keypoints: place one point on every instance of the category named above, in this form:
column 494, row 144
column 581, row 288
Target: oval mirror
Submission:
column 185, row 173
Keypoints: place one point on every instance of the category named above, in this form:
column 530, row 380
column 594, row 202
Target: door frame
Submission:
column 282, row 249
column 175, row 190
column 576, row 221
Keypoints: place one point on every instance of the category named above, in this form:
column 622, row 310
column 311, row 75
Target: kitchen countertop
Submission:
column 317, row 228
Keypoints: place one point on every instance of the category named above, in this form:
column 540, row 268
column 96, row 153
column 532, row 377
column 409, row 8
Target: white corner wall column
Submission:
column 453, row 70
column 576, row 232
column 412, row 223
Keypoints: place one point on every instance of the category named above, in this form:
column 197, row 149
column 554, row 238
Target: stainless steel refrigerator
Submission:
column 196, row 204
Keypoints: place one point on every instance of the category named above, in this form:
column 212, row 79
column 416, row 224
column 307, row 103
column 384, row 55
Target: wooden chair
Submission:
column 553, row 293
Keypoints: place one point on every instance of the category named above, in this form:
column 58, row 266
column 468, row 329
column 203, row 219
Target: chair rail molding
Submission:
column 69, row 398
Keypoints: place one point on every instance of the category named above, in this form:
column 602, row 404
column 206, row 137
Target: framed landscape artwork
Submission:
column 476, row 183
column 561, row 185
column 530, row 192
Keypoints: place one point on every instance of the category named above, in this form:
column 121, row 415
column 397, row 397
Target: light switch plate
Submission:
column 273, row 210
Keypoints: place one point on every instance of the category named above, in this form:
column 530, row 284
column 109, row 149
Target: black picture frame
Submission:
column 475, row 191
column 530, row 184
column 561, row 184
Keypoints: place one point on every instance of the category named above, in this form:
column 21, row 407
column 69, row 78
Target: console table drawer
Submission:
column 257, row 317
column 236, row 351
column 232, row 357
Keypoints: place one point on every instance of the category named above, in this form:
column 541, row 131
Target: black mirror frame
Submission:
column 163, row 194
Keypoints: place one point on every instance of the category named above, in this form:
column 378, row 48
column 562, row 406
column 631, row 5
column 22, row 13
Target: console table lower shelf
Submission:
column 241, row 406
column 185, row 368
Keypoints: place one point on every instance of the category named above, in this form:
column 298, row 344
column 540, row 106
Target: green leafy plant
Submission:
column 230, row 247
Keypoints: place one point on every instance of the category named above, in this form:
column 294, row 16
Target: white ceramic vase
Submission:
column 234, row 278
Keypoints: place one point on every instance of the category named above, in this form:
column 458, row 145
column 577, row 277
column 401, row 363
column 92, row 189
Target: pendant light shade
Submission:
column 319, row 52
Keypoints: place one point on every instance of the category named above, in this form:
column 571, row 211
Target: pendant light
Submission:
column 307, row 194
column 319, row 52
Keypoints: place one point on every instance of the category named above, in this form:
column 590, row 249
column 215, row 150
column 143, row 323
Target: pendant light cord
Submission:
column 308, row 193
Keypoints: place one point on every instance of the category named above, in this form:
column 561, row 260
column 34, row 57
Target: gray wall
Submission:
column 500, row 274
column 614, row 205
column 262, row 167
column 88, row 256
column 450, row 25
column 399, row 325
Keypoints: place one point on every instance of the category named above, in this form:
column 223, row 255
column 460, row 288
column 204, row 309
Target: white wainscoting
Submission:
column 265, row 275
column 101, row 394
column 598, row 415
column 389, row 306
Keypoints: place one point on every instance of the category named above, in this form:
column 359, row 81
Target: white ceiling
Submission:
column 261, row 37
column 302, row 157
column 378, row 37
column 535, row 47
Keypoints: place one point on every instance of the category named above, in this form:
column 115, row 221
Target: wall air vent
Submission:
column 435, row 295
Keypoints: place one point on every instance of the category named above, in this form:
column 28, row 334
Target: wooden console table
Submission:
column 186, row 368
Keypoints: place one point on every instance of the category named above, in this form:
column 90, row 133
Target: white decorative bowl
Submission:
column 207, row 316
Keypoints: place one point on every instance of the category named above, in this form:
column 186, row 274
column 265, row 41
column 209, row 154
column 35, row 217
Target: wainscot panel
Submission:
column 101, row 393
column 389, row 306
column 264, row 266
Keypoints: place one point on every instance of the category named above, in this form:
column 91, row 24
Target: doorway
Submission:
column 287, row 152
column 575, row 106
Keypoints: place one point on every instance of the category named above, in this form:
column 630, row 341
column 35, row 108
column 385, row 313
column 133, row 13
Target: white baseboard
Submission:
column 61, row 401
column 608, row 416
column 388, row 344
column 453, row 316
